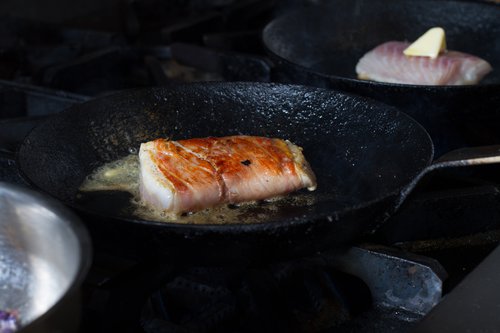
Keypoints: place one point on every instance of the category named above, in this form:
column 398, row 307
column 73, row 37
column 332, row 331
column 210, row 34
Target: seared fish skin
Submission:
column 388, row 63
column 193, row 174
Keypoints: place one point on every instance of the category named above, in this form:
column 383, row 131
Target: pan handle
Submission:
column 12, row 133
column 469, row 156
column 463, row 157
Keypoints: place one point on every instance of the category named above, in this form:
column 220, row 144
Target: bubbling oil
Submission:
column 123, row 176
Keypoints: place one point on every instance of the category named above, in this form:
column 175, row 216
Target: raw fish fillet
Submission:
column 189, row 175
column 387, row 63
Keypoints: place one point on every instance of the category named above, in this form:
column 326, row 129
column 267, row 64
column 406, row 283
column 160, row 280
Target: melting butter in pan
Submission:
column 119, row 175
column 123, row 175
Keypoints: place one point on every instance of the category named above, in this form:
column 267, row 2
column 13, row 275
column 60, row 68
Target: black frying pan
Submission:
column 364, row 153
column 321, row 45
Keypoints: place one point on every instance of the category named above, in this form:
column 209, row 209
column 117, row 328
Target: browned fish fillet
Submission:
column 189, row 175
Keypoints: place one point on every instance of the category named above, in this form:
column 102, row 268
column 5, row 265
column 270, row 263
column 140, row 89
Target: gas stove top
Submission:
column 430, row 268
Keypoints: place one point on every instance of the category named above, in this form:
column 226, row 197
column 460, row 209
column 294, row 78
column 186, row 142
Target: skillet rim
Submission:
column 235, row 228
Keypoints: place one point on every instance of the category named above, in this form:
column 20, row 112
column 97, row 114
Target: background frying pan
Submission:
column 363, row 153
column 321, row 45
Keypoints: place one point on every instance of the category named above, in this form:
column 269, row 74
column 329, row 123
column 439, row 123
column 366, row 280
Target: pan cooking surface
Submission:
column 359, row 150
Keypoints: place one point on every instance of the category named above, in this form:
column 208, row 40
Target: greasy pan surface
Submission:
column 321, row 45
column 362, row 152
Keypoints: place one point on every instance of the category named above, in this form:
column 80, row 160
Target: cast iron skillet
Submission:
column 365, row 154
column 320, row 46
